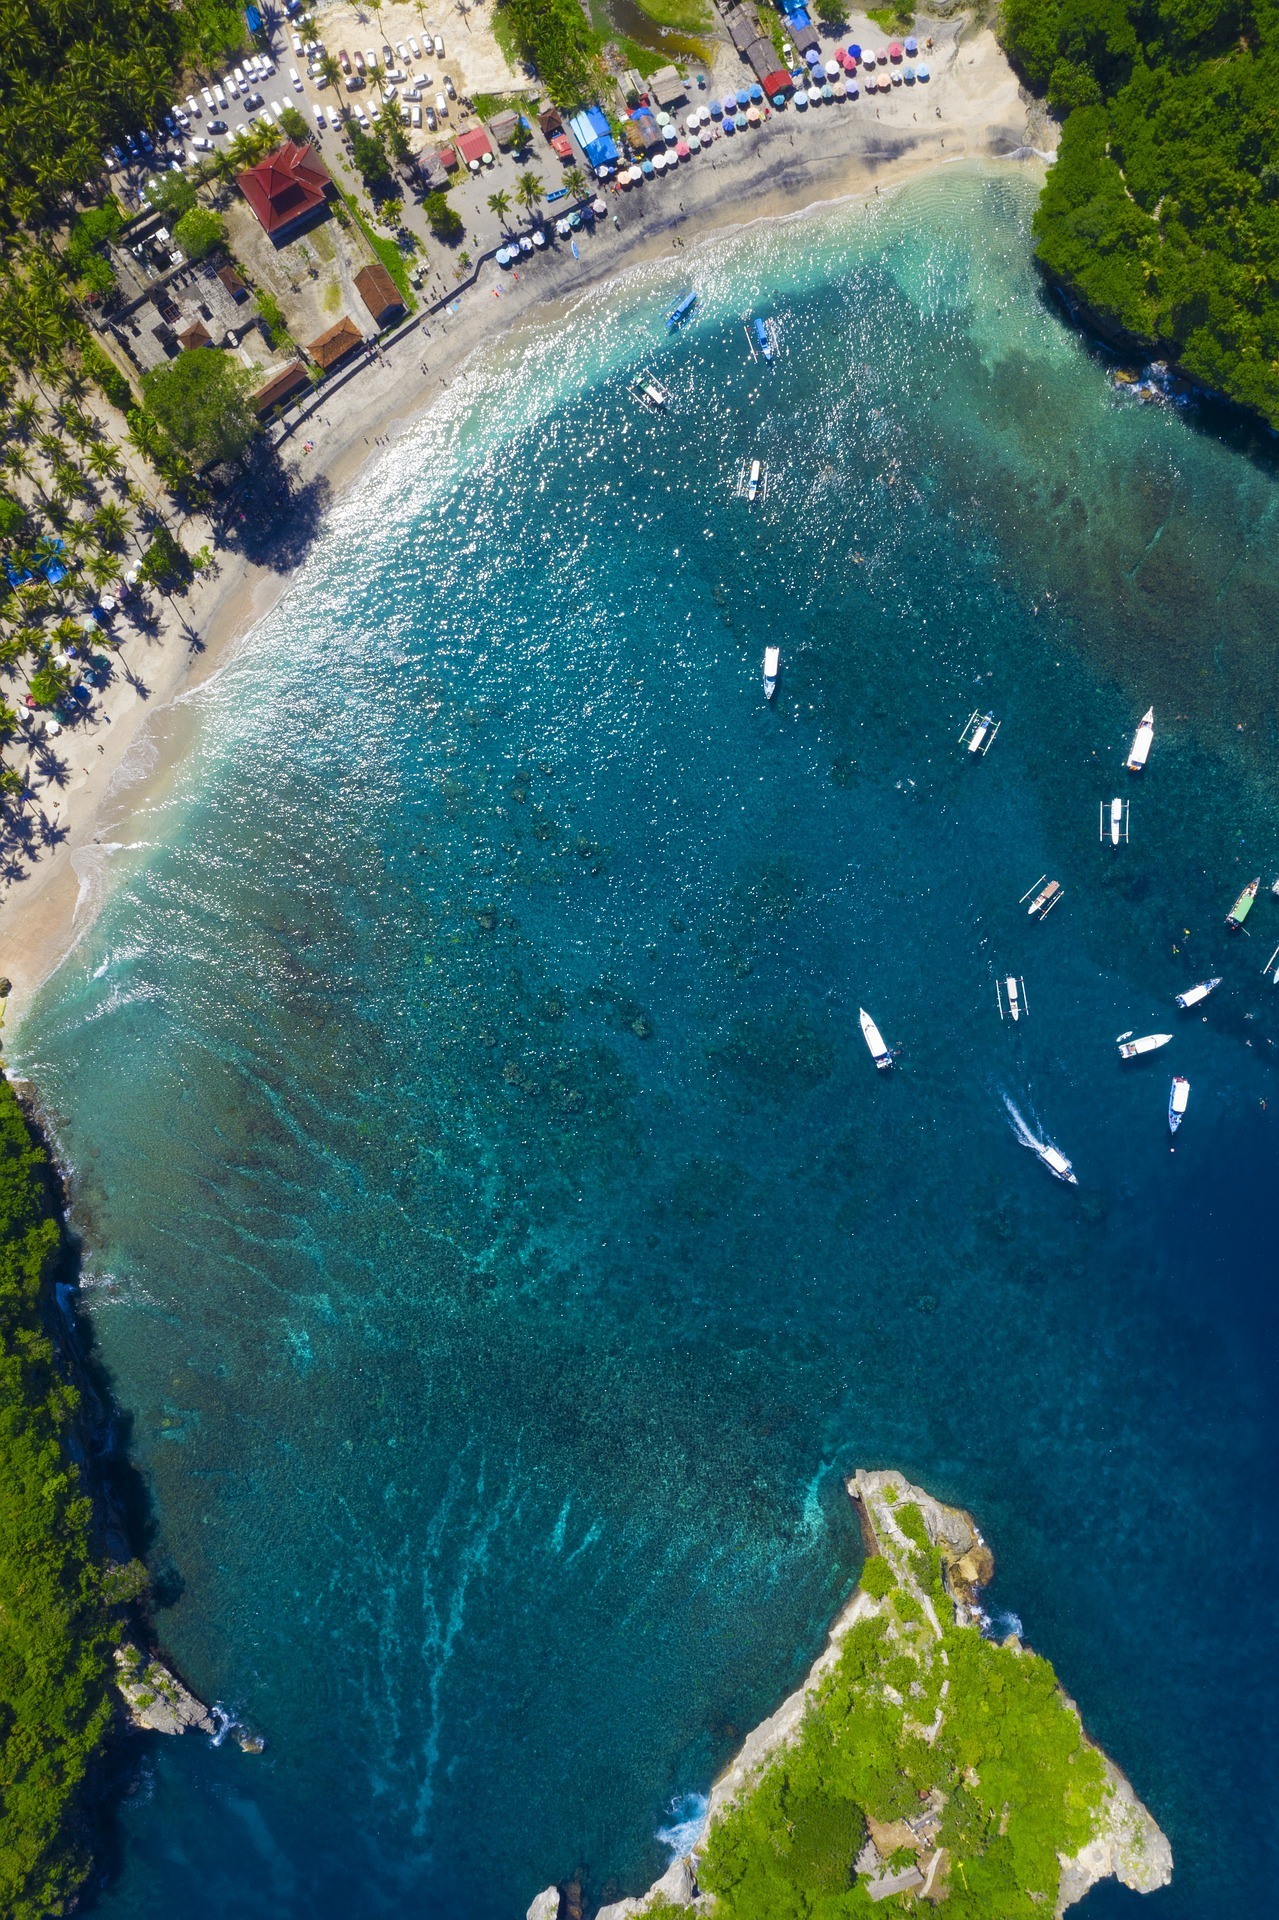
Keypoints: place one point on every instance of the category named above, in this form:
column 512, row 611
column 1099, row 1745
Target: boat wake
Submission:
column 1039, row 1143
column 1021, row 1127
column 686, row 1824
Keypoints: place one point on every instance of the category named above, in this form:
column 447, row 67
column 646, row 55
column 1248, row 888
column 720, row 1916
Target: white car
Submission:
column 237, row 74
column 207, row 98
column 370, row 58
column 320, row 120
column 219, row 94
column 363, row 118
column 297, row 43
column 441, row 106
column 296, row 78
column 193, row 105
column 414, row 48
column 402, row 50
column 202, row 145
column 390, row 94
column 439, row 46
column 415, row 116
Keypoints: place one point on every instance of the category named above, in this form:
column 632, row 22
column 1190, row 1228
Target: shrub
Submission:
column 878, row 1577
column 199, row 232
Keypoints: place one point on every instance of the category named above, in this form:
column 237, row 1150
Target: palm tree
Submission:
column 26, row 417
column 575, row 181
column 500, row 204
column 374, row 76
column 528, row 190
column 332, row 71
column 111, row 524
column 103, row 461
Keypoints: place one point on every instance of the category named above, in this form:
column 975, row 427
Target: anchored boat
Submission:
column 772, row 663
column 1193, row 995
column 1118, row 821
column 979, row 734
column 752, row 484
column 1141, row 742
column 874, row 1039
column 1177, row 1100
column 1046, row 898
column 1013, row 992
column 1243, row 905
column 679, row 313
column 651, row 394
column 1148, row 1043
column 763, row 340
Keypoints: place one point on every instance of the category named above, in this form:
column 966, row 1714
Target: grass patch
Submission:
column 388, row 253
column 487, row 104
column 683, row 16
column 890, row 19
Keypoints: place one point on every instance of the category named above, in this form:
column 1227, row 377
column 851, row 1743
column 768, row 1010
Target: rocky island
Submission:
column 919, row 1760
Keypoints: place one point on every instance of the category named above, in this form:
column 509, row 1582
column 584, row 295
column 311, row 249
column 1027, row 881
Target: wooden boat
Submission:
column 763, row 340
column 1045, row 900
column 874, row 1039
column 1243, row 905
column 1141, row 742
column 679, row 313
column 1130, row 1049
column 752, row 484
column 1013, row 991
column 979, row 734
column 772, row 663
column 1116, row 821
column 1177, row 1100
column 1193, row 995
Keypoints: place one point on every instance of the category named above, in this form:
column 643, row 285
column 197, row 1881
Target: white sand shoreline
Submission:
column 975, row 111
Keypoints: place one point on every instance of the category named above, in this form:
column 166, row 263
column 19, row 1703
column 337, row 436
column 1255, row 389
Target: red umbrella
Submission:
column 895, row 50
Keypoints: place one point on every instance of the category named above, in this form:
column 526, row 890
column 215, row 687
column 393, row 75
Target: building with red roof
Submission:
column 287, row 189
column 473, row 145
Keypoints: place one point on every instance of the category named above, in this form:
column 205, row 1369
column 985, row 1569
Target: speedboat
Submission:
column 1193, row 995
column 874, row 1039
column 752, row 484
column 1177, row 1100
column 1129, row 1048
column 1056, row 1162
column 1243, row 905
column 772, row 662
column 1141, row 742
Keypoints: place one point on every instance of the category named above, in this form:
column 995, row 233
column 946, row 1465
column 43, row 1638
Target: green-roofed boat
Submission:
column 1243, row 905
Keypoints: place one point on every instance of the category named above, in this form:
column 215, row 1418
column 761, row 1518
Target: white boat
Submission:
column 1141, row 741
column 979, row 733
column 1116, row 821
column 1056, row 1162
column 1177, row 1100
column 1014, row 1004
column 874, row 1039
column 772, row 663
column 1129, row 1049
column 752, row 485
column 1045, row 900
column 1193, row 995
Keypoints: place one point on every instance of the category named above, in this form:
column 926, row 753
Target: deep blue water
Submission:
column 498, row 1233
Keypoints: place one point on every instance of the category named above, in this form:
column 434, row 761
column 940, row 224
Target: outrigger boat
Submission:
column 679, row 313
column 1045, row 900
column 651, row 394
column 1193, row 995
column 1014, row 992
column 979, row 734
column 772, row 664
column 874, row 1039
column 761, row 339
column 1243, row 905
column 1129, row 1049
column 1177, row 1100
column 1141, row 742
column 1118, row 821
column 752, row 483
column 1272, row 968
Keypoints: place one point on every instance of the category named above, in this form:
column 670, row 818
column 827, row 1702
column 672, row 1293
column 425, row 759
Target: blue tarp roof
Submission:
column 590, row 130
column 254, row 19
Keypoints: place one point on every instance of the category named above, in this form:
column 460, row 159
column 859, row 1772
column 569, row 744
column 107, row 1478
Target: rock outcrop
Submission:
column 1127, row 1844
column 155, row 1699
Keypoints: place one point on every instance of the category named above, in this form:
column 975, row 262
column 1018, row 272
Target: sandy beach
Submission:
column 972, row 108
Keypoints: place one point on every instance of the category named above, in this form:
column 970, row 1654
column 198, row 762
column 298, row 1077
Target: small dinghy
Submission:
column 1141, row 742
column 1129, row 1049
column 874, row 1039
column 1243, row 905
column 1177, row 1100
column 1193, row 995
column 772, row 662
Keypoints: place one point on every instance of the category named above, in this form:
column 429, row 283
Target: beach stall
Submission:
column 590, row 129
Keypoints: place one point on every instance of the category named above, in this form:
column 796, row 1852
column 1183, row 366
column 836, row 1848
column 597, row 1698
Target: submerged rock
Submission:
column 156, row 1700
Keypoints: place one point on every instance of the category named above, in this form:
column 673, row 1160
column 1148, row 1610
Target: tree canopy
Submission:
column 200, row 400
column 1162, row 211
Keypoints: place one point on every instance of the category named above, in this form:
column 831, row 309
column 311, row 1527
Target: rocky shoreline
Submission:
column 1127, row 1843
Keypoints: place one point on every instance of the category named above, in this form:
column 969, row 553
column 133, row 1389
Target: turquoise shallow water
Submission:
column 500, row 1240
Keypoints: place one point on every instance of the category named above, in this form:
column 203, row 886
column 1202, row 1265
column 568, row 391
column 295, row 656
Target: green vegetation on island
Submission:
column 555, row 38
column 58, row 1622
column 1161, row 213
column 925, row 1762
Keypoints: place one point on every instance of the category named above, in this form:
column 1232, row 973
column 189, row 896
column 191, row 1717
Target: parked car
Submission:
column 388, row 54
column 183, row 119
column 297, row 43
column 254, row 101
column 358, row 61
column 430, row 118
column 414, row 48
column 415, row 116
column 320, row 120
column 401, row 50
column 217, row 126
column 231, row 88
column 439, row 46
column 202, row 145
column 344, row 60
column 193, row 106
column 114, row 159
column 207, row 97
column 441, row 106
column 296, row 78
column 389, row 94
column 219, row 94
column 237, row 74
column 449, row 88
column 371, row 58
